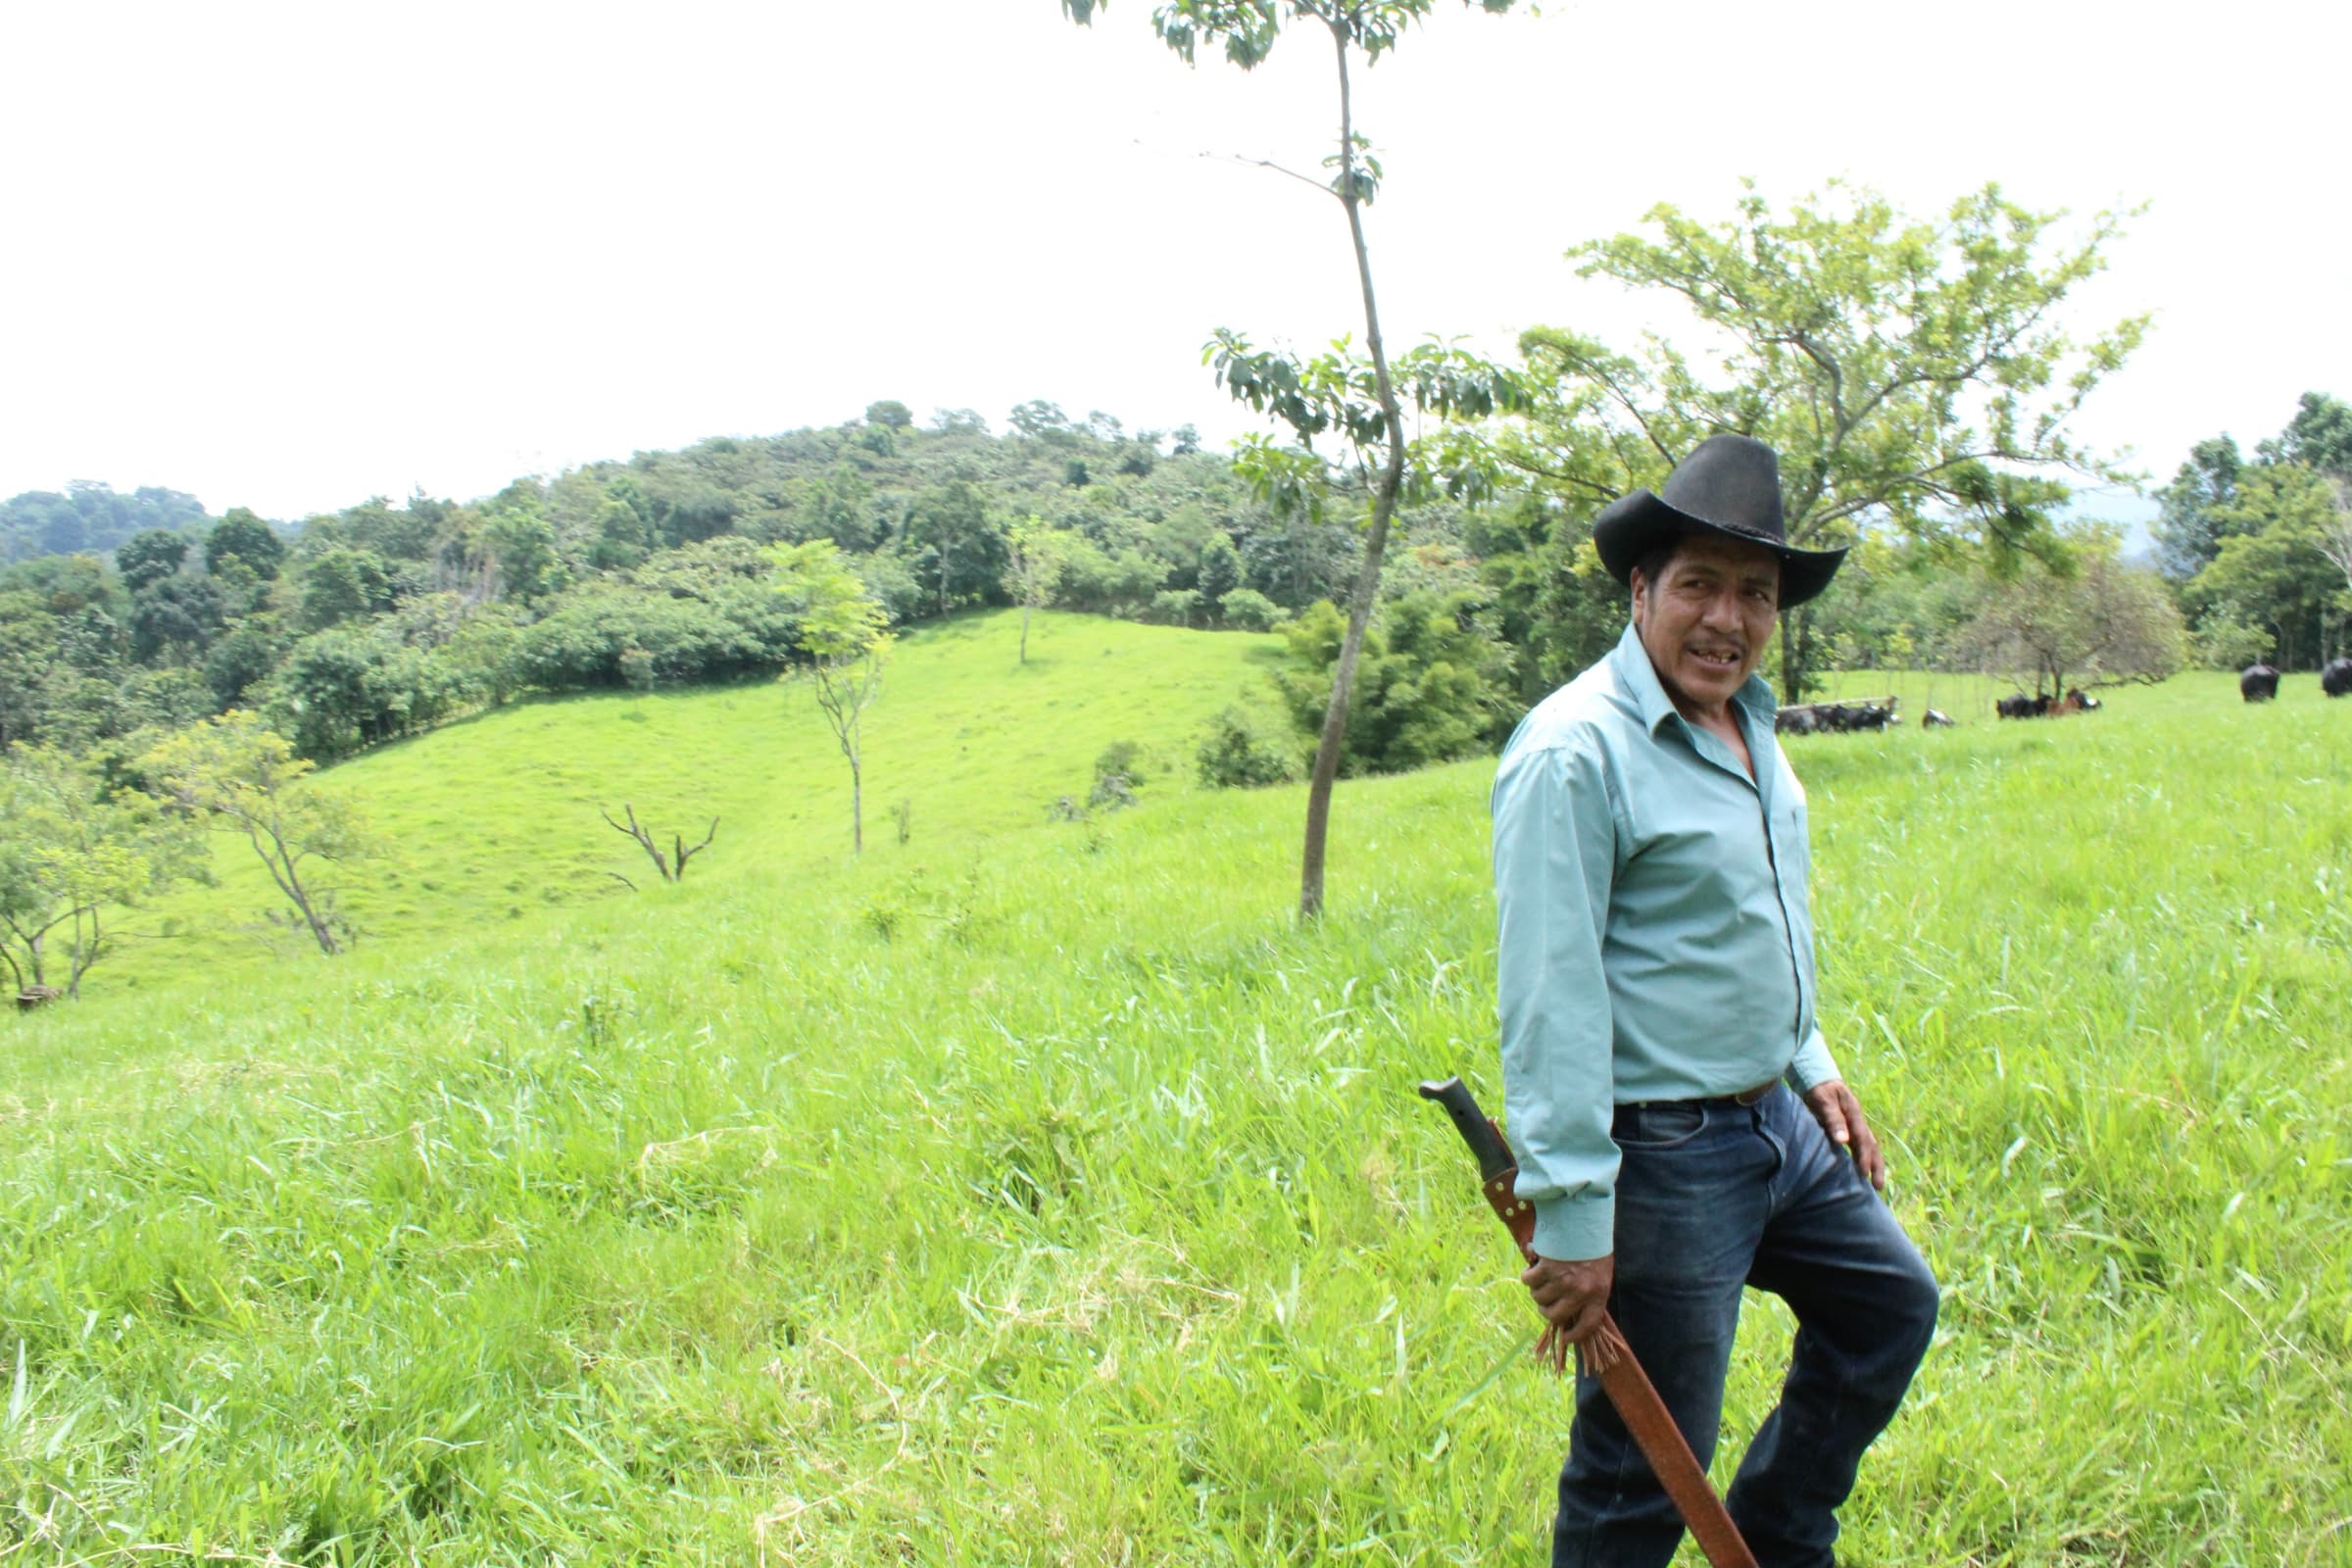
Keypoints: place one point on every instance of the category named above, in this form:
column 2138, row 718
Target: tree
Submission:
column 1909, row 373
column 241, row 539
column 344, row 584
column 239, row 662
column 28, row 650
column 2258, row 547
column 2095, row 620
column 845, row 634
column 890, row 413
column 1221, row 573
column 2319, row 436
column 1038, row 419
column 147, row 559
column 176, row 615
column 956, row 550
column 2187, row 532
column 1036, row 555
column 1247, row 30
column 841, row 507
column 238, row 776
column 2334, row 531
column 621, row 528
column 69, row 850
column 514, row 551
column 2272, row 565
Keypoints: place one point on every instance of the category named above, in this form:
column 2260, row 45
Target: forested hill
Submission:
column 927, row 506
column 383, row 618
column 380, row 620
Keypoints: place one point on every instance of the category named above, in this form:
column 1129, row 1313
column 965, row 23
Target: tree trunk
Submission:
column 80, row 957
column 1792, row 677
column 1024, row 631
column 320, row 932
column 1376, row 538
column 319, row 929
column 856, row 808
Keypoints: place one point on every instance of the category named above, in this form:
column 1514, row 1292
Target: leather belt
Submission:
column 1743, row 1099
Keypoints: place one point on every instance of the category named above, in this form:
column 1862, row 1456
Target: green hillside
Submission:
column 495, row 818
column 1040, row 1194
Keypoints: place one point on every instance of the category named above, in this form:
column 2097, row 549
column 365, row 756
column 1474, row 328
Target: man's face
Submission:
column 1707, row 620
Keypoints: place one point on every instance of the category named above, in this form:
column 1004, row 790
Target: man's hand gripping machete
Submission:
column 1605, row 1355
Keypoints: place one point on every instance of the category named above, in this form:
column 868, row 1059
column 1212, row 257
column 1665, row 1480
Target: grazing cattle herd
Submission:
column 2257, row 684
column 2046, row 705
column 1835, row 719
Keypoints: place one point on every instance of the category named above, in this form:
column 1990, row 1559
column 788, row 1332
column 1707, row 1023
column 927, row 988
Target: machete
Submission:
column 1606, row 1353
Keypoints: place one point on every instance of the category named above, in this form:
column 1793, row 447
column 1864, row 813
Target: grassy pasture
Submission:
column 494, row 819
column 1038, row 1194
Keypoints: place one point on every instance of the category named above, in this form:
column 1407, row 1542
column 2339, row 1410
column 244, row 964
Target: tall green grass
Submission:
column 1041, row 1193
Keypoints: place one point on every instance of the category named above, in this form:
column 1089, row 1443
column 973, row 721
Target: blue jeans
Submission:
column 1711, row 1197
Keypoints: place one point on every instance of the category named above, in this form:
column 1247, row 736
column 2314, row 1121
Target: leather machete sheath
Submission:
column 1605, row 1355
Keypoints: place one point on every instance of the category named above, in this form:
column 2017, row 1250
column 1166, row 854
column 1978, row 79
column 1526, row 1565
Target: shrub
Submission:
column 1122, row 757
column 1111, row 792
column 1176, row 607
column 1240, row 750
column 704, row 613
column 2225, row 640
column 1431, row 685
column 1248, row 610
column 344, row 689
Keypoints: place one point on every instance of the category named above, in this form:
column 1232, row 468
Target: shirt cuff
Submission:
column 1813, row 1066
column 1575, row 1230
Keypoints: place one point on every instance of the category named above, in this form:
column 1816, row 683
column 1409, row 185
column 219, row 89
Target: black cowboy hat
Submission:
column 1728, row 484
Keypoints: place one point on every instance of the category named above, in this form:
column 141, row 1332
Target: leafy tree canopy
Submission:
column 1912, row 373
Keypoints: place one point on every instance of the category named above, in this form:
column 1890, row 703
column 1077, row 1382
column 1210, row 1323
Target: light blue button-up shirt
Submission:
column 1656, row 941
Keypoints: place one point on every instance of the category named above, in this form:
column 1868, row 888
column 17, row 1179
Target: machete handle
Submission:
column 1494, row 1155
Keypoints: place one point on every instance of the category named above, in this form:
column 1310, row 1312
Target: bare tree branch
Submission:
column 635, row 831
column 685, row 853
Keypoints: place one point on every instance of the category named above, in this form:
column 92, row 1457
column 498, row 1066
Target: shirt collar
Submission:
column 1640, row 680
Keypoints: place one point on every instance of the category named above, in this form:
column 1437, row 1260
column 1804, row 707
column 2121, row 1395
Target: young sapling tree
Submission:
column 1366, row 407
column 238, row 775
column 845, row 633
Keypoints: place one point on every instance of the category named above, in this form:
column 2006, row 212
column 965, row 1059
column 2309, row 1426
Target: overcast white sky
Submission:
column 286, row 256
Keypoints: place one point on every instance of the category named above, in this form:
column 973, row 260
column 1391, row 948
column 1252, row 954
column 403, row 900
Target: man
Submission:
column 1681, row 1128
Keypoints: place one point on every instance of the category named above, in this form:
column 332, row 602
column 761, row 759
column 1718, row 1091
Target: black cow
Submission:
column 2336, row 679
column 2084, row 702
column 2259, row 684
column 2019, row 707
